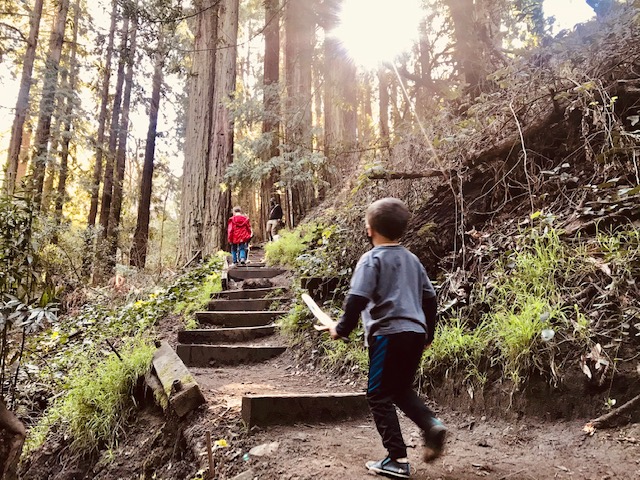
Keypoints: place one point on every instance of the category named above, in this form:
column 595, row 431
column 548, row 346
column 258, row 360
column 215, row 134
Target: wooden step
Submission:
column 239, row 319
column 224, row 335
column 252, row 305
column 265, row 410
column 213, row 355
column 248, row 293
column 244, row 273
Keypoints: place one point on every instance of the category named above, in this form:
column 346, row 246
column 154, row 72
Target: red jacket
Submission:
column 239, row 229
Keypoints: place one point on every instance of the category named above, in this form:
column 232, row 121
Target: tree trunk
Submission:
column 71, row 104
column 205, row 203
column 300, row 27
column 107, row 185
column 50, row 83
column 221, row 150
column 102, row 120
column 138, row 255
column 22, row 104
column 271, row 102
column 468, row 49
column 340, row 113
column 383, row 93
column 121, row 155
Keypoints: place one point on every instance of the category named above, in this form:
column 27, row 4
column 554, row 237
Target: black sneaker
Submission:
column 434, row 440
column 390, row 468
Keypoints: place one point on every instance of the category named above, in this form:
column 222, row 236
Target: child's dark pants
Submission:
column 393, row 361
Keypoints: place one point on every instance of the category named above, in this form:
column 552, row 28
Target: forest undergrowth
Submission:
column 526, row 207
column 82, row 386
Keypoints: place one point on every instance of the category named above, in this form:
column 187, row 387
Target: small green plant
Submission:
column 457, row 348
column 197, row 299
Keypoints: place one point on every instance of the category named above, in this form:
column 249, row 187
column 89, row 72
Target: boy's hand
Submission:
column 333, row 332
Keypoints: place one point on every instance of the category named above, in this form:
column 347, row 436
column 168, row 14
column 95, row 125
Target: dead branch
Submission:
column 612, row 418
column 404, row 175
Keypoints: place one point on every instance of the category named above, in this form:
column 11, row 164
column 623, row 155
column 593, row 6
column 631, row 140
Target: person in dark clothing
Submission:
column 391, row 289
column 239, row 233
column 275, row 218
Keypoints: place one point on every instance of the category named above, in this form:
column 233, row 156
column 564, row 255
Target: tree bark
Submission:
column 121, row 155
column 271, row 102
column 340, row 114
column 138, row 254
column 107, row 185
column 383, row 93
column 206, row 203
column 469, row 52
column 49, row 87
column 102, row 120
column 22, row 104
column 221, row 150
column 68, row 123
column 299, row 44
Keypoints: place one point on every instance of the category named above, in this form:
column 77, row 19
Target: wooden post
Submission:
column 210, row 454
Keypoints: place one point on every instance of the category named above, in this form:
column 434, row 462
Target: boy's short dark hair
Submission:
column 237, row 210
column 389, row 217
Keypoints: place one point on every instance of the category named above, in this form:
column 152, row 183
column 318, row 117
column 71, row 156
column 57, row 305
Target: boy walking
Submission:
column 391, row 289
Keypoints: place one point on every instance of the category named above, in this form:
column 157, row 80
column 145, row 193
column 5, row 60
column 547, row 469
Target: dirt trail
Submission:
column 477, row 447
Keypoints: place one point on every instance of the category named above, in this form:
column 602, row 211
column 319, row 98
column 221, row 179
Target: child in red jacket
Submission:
column 239, row 233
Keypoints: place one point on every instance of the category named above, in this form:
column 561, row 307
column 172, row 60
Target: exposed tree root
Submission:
column 617, row 417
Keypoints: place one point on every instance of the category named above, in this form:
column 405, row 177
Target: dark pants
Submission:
column 393, row 361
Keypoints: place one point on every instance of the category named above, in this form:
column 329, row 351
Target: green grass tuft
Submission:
column 99, row 400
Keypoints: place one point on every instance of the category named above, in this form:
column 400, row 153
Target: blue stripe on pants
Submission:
column 377, row 354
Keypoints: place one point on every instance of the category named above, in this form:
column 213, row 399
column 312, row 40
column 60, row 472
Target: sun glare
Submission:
column 375, row 31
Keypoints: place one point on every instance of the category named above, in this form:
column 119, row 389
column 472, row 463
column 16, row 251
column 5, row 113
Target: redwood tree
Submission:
column 22, row 103
column 102, row 119
column 205, row 204
column 138, row 255
column 271, row 99
column 47, row 102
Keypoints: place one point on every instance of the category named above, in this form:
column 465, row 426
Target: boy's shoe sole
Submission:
column 434, row 443
column 379, row 469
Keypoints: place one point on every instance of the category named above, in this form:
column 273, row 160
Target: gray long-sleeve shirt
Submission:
column 394, row 281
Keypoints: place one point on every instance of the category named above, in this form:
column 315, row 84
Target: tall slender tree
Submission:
column 271, row 99
column 71, row 104
column 47, row 102
column 102, row 119
column 299, row 47
column 121, row 155
column 138, row 254
column 22, row 103
column 107, row 186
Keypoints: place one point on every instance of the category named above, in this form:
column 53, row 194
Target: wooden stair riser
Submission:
column 250, row 305
column 224, row 335
column 215, row 355
column 239, row 319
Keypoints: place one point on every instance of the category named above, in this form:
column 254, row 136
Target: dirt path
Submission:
column 477, row 446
